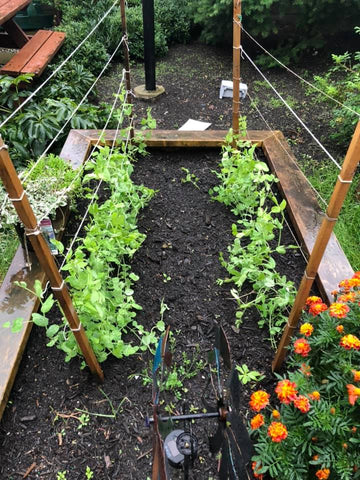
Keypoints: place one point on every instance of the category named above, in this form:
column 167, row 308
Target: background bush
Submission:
column 300, row 24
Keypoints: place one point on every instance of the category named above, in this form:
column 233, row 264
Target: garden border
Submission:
column 302, row 206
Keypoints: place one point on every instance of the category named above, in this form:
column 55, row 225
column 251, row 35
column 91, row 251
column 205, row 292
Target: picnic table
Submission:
column 35, row 51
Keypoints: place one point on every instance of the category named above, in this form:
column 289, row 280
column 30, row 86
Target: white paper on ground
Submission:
column 195, row 125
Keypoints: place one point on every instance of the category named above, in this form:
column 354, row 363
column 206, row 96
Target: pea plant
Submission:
column 97, row 267
column 245, row 185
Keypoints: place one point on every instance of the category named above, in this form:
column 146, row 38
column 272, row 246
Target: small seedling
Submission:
column 89, row 473
column 61, row 475
column 245, row 375
column 166, row 278
column 190, row 177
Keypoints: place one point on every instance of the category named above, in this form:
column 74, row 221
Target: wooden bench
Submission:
column 35, row 52
column 35, row 55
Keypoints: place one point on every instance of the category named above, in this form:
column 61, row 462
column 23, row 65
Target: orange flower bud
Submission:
column 340, row 328
column 332, row 411
column 354, row 429
column 315, row 457
column 276, row 413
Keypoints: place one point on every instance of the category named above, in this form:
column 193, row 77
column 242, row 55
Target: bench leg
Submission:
column 17, row 34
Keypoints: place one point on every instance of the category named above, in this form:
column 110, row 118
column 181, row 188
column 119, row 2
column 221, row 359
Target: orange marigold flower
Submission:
column 347, row 297
column 344, row 284
column 311, row 300
column 277, row 432
column 323, row 474
column 350, row 341
column 306, row 329
column 354, row 393
column 286, row 391
column 255, row 471
column 339, row 310
column 340, row 328
column 305, row 369
column 314, row 395
column 302, row 347
column 356, row 374
column 259, row 400
column 257, row 421
column 302, row 403
column 275, row 414
column 316, row 308
column 356, row 275
column 354, row 282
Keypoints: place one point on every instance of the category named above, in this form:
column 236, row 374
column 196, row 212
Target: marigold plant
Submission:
column 316, row 432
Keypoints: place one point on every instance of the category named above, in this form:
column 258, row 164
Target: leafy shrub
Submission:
column 316, row 431
column 301, row 24
column 32, row 128
column 342, row 82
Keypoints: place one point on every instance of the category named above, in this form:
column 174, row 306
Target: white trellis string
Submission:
column 35, row 92
column 282, row 147
column 100, row 183
column 299, row 77
column 293, row 112
column 73, row 112
column 46, row 214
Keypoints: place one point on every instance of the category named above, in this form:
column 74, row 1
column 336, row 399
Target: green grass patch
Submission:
column 347, row 229
column 8, row 245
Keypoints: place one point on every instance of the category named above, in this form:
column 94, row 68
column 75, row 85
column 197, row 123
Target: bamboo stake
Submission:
column 23, row 208
column 236, row 65
column 342, row 186
column 127, row 64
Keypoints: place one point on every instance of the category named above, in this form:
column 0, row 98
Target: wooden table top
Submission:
column 9, row 8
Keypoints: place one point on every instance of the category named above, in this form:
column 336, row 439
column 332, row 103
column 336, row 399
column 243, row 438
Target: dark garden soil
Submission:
column 179, row 264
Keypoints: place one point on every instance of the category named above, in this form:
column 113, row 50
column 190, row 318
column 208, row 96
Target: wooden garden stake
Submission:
column 127, row 64
column 336, row 201
column 236, row 65
column 23, row 208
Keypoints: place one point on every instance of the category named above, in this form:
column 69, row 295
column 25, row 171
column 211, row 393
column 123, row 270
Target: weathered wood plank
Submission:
column 20, row 59
column 17, row 302
column 44, row 54
column 179, row 138
column 36, row 54
column 9, row 8
column 76, row 148
column 305, row 213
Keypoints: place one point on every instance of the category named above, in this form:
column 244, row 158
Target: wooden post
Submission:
column 236, row 65
column 336, row 201
column 127, row 64
column 23, row 208
column 149, row 44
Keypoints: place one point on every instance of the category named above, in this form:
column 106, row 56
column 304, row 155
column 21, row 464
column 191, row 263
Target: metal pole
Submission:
column 127, row 65
column 23, row 208
column 336, row 201
column 236, row 65
column 149, row 44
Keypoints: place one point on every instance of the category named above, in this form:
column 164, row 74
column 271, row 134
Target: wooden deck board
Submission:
column 305, row 213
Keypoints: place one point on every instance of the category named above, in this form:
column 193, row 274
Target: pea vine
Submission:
column 246, row 186
column 98, row 270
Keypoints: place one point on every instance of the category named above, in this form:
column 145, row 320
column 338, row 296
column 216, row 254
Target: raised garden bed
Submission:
column 178, row 263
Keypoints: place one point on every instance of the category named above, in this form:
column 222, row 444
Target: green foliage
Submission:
column 245, row 186
column 298, row 25
column 51, row 184
column 31, row 129
column 342, row 82
column 325, row 434
column 8, row 245
column 190, row 177
column 245, row 375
